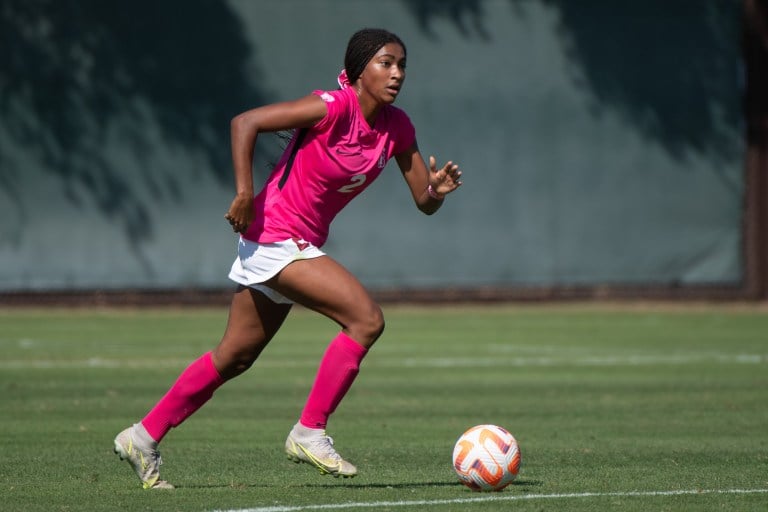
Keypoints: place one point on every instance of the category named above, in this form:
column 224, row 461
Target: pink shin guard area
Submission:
column 192, row 389
column 337, row 372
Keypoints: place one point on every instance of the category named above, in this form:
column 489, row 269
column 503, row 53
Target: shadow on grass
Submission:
column 518, row 484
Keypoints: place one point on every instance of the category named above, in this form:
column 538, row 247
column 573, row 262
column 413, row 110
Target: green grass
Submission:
column 613, row 404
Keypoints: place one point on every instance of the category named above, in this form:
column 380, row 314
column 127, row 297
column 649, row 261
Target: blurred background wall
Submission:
column 602, row 142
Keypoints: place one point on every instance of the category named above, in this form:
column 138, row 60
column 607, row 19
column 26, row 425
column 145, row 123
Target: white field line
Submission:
column 93, row 362
column 626, row 360
column 410, row 362
column 494, row 498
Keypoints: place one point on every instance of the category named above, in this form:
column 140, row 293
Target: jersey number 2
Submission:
column 356, row 181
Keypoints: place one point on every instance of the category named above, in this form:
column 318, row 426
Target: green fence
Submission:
column 601, row 141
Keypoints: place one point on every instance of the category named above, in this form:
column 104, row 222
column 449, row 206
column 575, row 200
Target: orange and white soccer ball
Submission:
column 486, row 458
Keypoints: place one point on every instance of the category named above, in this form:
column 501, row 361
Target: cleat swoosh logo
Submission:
column 320, row 464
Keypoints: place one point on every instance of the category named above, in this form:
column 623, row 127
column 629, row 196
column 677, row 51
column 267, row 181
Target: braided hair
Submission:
column 361, row 48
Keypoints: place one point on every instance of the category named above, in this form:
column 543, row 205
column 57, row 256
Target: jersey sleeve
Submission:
column 336, row 108
column 404, row 130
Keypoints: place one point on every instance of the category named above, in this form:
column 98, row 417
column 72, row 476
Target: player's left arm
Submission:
column 429, row 185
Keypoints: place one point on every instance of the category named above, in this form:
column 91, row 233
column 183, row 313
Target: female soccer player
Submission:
column 342, row 141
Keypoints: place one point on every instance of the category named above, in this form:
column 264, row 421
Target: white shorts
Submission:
column 257, row 263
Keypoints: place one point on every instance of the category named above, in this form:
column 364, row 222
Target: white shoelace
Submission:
column 324, row 444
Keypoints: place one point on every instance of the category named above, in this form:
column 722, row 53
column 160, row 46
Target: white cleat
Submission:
column 316, row 449
column 146, row 463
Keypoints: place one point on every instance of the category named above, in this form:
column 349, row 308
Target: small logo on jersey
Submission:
column 300, row 243
column 383, row 159
column 326, row 97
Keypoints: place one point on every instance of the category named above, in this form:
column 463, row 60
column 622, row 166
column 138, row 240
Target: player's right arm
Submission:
column 244, row 130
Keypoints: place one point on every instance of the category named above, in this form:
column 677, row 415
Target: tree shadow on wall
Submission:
column 670, row 68
column 70, row 68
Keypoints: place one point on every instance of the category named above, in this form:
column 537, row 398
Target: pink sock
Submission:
column 337, row 371
column 191, row 390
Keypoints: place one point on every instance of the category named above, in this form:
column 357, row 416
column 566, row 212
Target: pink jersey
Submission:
column 339, row 157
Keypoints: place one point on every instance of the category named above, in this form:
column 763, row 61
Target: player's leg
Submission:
column 253, row 321
column 325, row 286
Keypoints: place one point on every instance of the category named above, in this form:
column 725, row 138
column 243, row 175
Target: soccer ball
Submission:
column 486, row 458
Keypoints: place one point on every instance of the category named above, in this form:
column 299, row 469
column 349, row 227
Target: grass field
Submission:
column 615, row 408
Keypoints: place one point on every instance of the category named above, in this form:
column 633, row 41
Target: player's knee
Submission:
column 232, row 362
column 370, row 326
column 242, row 362
column 377, row 323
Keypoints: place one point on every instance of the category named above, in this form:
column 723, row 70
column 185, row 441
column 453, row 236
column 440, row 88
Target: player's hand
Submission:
column 240, row 214
column 446, row 179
